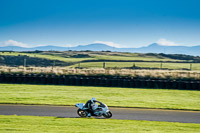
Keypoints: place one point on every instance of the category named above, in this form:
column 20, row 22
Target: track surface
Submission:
column 118, row 113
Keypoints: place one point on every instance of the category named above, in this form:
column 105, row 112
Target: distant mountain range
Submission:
column 152, row 48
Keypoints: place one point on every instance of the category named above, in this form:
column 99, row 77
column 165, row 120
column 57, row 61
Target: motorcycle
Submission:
column 99, row 110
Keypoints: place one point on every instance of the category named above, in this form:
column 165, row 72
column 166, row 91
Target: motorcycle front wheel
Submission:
column 82, row 113
column 108, row 115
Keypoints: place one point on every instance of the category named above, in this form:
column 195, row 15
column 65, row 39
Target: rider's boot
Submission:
column 89, row 115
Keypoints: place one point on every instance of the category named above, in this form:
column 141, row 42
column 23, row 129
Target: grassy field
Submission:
column 195, row 66
column 92, row 56
column 78, row 56
column 37, row 124
column 124, row 97
column 47, row 56
column 130, row 57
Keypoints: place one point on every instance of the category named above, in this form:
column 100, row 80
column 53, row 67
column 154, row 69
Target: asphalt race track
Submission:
column 118, row 113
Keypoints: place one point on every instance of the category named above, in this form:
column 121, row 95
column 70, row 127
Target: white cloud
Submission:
column 13, row 43
column 165, row 42
column 112, row 44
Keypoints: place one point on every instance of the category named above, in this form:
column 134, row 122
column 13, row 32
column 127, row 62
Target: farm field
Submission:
column 47, row 56
column 129, row 56
column 71, row 56
column 53, row 124
column 124, row 97
column 195, row 66
column 113, row 59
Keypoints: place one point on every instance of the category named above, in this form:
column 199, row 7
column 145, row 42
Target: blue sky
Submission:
column 121, row 23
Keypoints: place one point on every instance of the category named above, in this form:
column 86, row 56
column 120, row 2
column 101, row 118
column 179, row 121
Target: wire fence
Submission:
column 158, row 74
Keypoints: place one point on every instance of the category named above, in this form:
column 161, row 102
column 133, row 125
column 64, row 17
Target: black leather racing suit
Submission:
column 88, row 105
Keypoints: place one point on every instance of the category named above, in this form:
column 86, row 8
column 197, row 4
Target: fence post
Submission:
column 24, row 64
column 104, row 65
column 53, row 65
column 133, row 67
column 160, row 65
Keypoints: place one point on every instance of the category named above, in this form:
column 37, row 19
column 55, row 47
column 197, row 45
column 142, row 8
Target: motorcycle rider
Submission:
column 93, row 108
column 89, row 106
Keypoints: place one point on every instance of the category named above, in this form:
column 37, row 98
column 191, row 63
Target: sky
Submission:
column 119, row 23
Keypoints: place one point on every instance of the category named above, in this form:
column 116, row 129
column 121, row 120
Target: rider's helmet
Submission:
column 93, row 99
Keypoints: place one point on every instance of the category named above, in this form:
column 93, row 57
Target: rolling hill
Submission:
column 152, row 48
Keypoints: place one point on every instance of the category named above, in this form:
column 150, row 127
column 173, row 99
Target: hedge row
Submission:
column 110, row 81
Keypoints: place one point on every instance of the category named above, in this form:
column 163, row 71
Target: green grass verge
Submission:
column 124, row 97
column 38, row 124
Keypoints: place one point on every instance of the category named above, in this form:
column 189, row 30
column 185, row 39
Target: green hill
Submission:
column 89, row 59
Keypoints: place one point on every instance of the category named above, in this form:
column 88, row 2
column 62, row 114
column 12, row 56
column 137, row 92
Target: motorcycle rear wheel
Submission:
column 82, row 113
column 108, row 115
